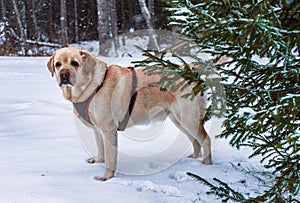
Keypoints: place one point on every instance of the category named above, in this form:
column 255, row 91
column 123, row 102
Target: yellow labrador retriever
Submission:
column 113, row 98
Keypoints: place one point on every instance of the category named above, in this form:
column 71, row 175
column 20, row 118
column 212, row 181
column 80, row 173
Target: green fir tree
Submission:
column 262, row 98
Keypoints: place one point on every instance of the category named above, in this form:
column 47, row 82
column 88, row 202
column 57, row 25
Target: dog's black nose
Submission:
column 64, row 77
column 64, row 74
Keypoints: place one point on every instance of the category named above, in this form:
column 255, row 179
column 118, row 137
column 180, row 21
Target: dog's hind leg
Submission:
column 194, row 129
column 203, row 138
column 196, row 145
column 197, row 148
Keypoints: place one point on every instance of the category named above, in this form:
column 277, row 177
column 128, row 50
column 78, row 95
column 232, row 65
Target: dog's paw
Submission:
column 194, row 156
column 100, row 178
column 93, row 160
column 207, row 161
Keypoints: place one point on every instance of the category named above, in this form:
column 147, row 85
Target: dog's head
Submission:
column 77, row 71
column 67, row 63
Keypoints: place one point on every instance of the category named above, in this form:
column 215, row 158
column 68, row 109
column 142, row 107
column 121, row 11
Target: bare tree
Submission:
column 50, row 16
column 28, row 20
column 32, row 30
column 123, row 18
column 3, row 9
column 112, row 16
column 113, row 27
column 76, row 21
column 103, row 29
column 35, row 23
column 153, row 45
column 22, row 30
column 107, row 27
column 151, row 9
column 63, row 23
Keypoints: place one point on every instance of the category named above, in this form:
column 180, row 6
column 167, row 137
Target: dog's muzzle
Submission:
column 65, row 78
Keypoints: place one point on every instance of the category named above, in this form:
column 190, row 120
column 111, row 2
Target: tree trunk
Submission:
column 103, row 28
column 37, row 34
column 113, row 27
column 3, row 9
column 28, row 18
column 123, row 17
column 22, row 30
column 151, row 9
column 51, row 23
column 153, row 45
column 76, row 21
column 31, row 22
column 63, row 23
column 112, row 18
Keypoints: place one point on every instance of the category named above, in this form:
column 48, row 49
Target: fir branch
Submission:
column 222, row 190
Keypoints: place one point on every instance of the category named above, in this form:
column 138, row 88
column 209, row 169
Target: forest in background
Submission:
column 31, row 27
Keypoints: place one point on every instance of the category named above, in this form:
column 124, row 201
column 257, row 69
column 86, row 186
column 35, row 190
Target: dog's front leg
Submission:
column 100, row 148
column 110, row 155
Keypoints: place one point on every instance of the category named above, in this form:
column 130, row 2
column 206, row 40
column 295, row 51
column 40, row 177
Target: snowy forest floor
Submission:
column 43, row 160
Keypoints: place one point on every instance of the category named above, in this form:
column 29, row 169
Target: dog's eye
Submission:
column 58, row 64
column 74, row 63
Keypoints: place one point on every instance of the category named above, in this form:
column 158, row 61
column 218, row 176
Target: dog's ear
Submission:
column 50, row 64
column 91, row 64
column 88, row 59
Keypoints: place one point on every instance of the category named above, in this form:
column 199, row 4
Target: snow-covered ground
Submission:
column 43, row 157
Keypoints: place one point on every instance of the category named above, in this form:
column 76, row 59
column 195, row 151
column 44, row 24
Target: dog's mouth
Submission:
column 65, row 82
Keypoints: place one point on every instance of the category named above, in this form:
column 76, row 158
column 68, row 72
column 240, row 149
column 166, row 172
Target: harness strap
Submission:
column 133, row 95
column 82, row 108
